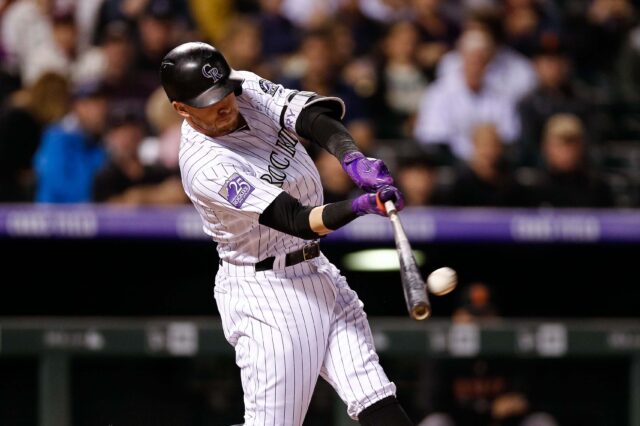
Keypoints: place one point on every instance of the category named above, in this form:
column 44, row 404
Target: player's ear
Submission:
column 180, row 109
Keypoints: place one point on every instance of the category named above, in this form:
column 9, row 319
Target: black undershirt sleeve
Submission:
column 286, row 214
column 318, row 124
column 336, row 215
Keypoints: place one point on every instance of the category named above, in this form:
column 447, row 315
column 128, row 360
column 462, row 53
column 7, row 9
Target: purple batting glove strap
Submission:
column 367, row 203
column 392, row 193
column 369, row 174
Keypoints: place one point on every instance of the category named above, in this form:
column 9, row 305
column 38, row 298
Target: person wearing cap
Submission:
column 71, row 150
column 125, row 179
column 556, row 92
column 567, row 180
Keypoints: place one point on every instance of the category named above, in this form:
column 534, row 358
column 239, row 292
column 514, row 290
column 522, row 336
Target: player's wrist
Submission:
column 336, row 215
column 349, row 157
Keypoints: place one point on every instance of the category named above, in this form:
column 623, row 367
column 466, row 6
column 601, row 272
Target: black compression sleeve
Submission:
column 286, row 214
column 336, row 215
column 385, row 412
column 317, row 124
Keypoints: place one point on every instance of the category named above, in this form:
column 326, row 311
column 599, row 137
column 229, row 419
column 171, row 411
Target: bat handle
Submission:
column 390, row 207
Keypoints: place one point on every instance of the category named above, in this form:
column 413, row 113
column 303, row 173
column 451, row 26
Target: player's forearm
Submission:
column 286, row 214
column 316, row 124
column 328, row 218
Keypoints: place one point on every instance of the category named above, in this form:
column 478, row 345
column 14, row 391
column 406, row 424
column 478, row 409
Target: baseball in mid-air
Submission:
column 442, row 281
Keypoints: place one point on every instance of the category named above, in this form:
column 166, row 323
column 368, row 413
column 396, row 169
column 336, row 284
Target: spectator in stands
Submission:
column 567, row 181
column 401, row 82
column 86, row 15
column 18, row 43
column 507, row 71
column 486, row 179
column 71, row 151
column 365, row 32
column 335, row 182
column 479, row 404
column 277, row 33
column 243, row 46
column 21, row 126
column 113, row 62
column 38, row 37
column 354, row 69
column 596, row 34
column 166, row 123
column 117, row 11
column 556, row 93
column 386, row 11
column 319, row 74
column 437, row 33
column 628, row 69
column 343, row 43
column 437, row 419
column 453, row 105
column 8, row 80
column 124, row 179
column 475, row 387
column 309, row 14
column 526, row 21
column 476, row 304
column 155, row 38
column 514, row 408
column 212, row 18
column 417, row 178
column 131, row 11
column 58, row 56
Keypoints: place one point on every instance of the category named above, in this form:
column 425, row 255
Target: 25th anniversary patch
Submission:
column 236, row 190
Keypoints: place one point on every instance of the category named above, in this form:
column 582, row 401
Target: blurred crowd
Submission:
column 518, row 103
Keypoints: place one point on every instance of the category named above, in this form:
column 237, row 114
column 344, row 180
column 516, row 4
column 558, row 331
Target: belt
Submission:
column 309, row 251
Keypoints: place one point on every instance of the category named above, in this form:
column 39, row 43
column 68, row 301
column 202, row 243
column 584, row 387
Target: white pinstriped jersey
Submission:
column 288, row 324
column 231, row 179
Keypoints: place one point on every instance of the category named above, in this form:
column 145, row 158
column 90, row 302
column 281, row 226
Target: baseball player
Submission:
column 285, row 308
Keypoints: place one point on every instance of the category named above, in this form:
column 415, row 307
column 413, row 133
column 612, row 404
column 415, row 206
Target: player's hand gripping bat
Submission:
column 415, row 291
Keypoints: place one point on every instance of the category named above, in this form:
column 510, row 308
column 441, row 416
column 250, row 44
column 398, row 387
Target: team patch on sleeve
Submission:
column 236, row 190
column 268, row 87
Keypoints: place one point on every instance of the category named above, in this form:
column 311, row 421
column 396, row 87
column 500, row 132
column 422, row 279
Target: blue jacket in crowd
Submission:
column 66, row 163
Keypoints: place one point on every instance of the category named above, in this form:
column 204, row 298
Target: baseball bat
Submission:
column 415, row 291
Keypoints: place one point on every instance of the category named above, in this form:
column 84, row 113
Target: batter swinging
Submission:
column 285, row 308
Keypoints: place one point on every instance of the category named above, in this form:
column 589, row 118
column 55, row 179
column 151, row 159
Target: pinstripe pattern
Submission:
column 288, row 325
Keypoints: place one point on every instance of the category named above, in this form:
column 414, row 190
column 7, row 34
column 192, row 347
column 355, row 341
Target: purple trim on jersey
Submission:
column 236, row 190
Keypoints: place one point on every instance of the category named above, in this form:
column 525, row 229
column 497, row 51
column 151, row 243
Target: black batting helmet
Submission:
column 198, row 75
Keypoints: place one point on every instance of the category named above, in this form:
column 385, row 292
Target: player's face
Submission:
column 218, row 119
